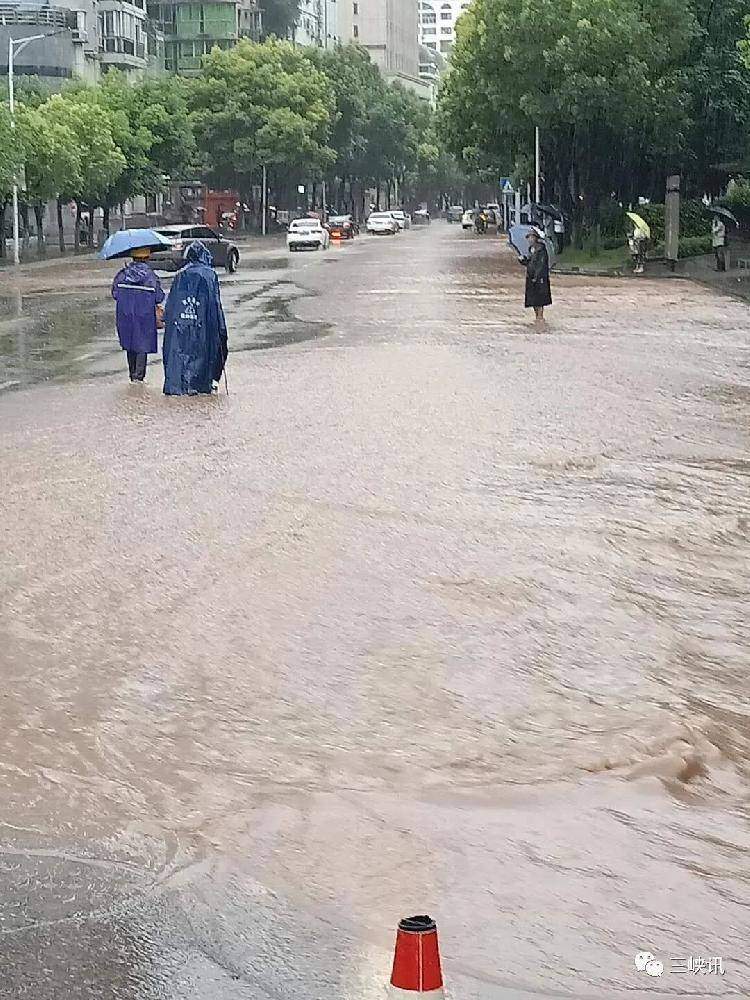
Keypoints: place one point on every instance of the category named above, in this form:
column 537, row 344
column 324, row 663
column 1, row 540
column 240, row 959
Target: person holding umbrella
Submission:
column 538, row 291
column 138, row 296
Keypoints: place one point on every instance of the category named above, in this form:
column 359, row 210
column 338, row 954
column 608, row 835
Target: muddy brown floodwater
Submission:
column 431, row 614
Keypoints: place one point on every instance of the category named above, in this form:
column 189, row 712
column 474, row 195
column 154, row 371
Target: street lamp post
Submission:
column 15, row 46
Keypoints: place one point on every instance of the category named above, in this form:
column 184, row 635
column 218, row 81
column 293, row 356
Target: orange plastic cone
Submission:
column 416, row 962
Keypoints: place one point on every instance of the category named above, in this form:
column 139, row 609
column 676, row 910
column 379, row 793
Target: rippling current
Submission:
column 432, row 613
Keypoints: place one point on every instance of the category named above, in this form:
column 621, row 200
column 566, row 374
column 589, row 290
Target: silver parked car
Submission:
column 224, row 252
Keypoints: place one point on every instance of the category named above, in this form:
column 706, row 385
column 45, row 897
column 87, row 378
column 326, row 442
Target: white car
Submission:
column 467, row 219
column 307, row 234
column 403, row 220
column 382, row 223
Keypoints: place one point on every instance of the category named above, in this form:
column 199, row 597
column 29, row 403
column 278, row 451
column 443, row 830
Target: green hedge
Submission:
column 694, row 246
column 694, row 220
column 691, row 246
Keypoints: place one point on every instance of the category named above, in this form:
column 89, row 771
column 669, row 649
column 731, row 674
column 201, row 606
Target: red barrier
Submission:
column 416, row 962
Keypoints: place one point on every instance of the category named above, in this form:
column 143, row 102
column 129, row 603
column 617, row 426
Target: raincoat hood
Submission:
column 136, row 273
column 196, row 253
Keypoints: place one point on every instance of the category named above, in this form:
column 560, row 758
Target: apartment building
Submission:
column 318, row 23
column 437, row 23
column 388, row 29
column 70, row 48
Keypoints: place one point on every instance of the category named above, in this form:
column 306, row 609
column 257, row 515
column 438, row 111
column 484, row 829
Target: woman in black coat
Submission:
column 538, row 293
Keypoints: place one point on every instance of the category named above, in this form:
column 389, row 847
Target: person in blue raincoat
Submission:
column 195, row 331
column 137, row 293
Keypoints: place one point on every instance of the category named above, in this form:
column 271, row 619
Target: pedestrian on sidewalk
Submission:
column 138, row 296
column 719, row 242
column 195, row 331
column 538, row 292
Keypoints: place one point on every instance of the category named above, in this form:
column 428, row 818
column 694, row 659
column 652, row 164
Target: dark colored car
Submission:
column 341, row 227
column 224, row 252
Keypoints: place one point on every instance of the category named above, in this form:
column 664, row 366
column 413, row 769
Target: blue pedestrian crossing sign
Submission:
column 505, row 185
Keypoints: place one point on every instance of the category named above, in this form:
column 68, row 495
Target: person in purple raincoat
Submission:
column 137, row 292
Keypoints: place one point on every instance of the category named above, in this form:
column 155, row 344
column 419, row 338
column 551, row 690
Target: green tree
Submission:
column 262, row 105
column 11, row 159
column 101, row 160
column 52, row 160
column 602, row 79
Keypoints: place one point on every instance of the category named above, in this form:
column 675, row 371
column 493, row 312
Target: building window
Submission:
column 431, row 45
column 429, row 31
column 150, row 204
column 446, row 31
column 355, row 31
column 446, row 15
column 355, row 7
column 445, row 45
column 428, row 18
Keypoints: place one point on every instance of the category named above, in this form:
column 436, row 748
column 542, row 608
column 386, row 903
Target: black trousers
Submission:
column 137, row 366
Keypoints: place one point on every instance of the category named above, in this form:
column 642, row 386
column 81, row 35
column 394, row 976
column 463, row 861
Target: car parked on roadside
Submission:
column 307, row 234
column 402, row 218
column 223, row 251
column 455, row 213
column 382, row 224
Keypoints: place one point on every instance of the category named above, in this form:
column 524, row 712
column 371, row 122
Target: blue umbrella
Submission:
column 122, row 243
column 517, row 239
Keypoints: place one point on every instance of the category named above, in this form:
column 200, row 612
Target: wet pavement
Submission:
column 433, row 614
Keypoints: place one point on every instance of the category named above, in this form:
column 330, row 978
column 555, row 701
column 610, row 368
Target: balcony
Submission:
column 48, row 17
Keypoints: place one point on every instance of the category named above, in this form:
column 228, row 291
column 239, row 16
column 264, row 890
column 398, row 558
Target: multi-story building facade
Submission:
column 388, row 29
column 432, row 65
column 437, row 23
column 83, row 38
column 191, row 30
column 70, row 48
column 123, row 36
column 317, row 23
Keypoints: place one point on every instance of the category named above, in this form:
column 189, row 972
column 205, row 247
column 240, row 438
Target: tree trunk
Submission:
column 41, row 244
column 3, row 208
column 23, row 211
column 377, row 194
column 106, row 220
column 60, row 227
column 77, row 231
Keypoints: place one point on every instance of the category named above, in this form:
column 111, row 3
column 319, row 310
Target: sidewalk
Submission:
column 82, row 271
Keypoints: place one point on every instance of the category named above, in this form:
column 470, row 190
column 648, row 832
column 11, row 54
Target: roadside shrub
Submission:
column 694, row 246
column 654, row 216
column 694, row 220
column 613, row 242
column 611, row 221
column 739, row 196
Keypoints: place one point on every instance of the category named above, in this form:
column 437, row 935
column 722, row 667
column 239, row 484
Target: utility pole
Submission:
column 537, row 169
column 17, row 45
column 264, row 199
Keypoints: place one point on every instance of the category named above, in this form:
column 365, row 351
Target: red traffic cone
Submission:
column 416, row 962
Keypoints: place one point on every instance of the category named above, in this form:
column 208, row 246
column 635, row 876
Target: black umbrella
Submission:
column 548, row 210
column 723, row 212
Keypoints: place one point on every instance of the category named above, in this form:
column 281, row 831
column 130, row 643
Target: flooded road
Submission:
column 432, row 614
